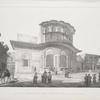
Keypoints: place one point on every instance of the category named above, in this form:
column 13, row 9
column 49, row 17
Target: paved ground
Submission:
column 75, row 80
column 55, row 83
column 74, row 77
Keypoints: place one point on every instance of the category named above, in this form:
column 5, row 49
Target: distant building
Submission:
column 98, row 64
column 27, row 38
column 55, row 52
column 90, row 62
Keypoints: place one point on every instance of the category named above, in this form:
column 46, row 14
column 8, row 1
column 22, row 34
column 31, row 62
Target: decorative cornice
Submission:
column 58, row 23
column 41, row 46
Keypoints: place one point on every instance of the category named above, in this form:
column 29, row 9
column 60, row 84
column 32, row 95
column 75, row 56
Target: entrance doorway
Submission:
column 50, row 62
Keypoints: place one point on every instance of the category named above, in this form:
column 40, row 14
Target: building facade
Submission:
column 91, row 62
column 55, row 52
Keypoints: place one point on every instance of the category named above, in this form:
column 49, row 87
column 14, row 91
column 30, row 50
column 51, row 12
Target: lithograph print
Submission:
column 50, row 45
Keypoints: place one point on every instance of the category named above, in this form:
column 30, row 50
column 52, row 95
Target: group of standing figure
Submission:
column 46, row 77
column 91, row 79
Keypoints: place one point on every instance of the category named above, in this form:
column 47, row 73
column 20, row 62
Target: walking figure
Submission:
column 86, row 80
column 94, row 78
column 89, row 79
column 49, row 77
column 35, row 78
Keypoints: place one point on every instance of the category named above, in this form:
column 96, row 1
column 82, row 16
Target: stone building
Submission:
column 91, row 62
column 55, row 52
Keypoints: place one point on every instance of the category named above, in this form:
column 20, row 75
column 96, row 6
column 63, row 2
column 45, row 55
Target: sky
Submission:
column 25, row 17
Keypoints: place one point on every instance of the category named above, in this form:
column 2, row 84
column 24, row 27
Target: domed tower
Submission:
column 57, row 31
column 57, row 40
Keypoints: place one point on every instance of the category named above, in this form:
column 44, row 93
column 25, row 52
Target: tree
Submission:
column 3, row 55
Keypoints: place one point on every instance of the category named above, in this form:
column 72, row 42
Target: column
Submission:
column 67, row 61
column 44, row 59
column 56, row 61
column 15, row 74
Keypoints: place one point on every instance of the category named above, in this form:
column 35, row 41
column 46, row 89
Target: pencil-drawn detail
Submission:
column 52, row 62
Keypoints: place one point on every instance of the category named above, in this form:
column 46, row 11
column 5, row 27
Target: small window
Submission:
column 56, row 29
column 25, row 62
column 62, row 30
column 50, row 28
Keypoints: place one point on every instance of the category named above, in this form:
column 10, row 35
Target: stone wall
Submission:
column 33, row 57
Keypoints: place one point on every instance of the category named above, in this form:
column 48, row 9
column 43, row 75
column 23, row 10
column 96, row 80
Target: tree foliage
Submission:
column 3, row 55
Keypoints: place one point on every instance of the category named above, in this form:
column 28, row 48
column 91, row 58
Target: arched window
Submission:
column 59, row 29
column 62, row 30
column 49, row 60
column 25, row 62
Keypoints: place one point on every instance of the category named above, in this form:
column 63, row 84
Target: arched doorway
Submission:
column 50, row 62
column 62, row 63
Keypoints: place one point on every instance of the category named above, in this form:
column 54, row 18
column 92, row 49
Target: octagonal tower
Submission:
column 57, row 31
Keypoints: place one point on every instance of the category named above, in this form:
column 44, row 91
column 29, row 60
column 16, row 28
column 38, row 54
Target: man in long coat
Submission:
column 89, row 79
column 86, row 80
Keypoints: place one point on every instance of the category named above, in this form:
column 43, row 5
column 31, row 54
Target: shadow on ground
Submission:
column 39, row 84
